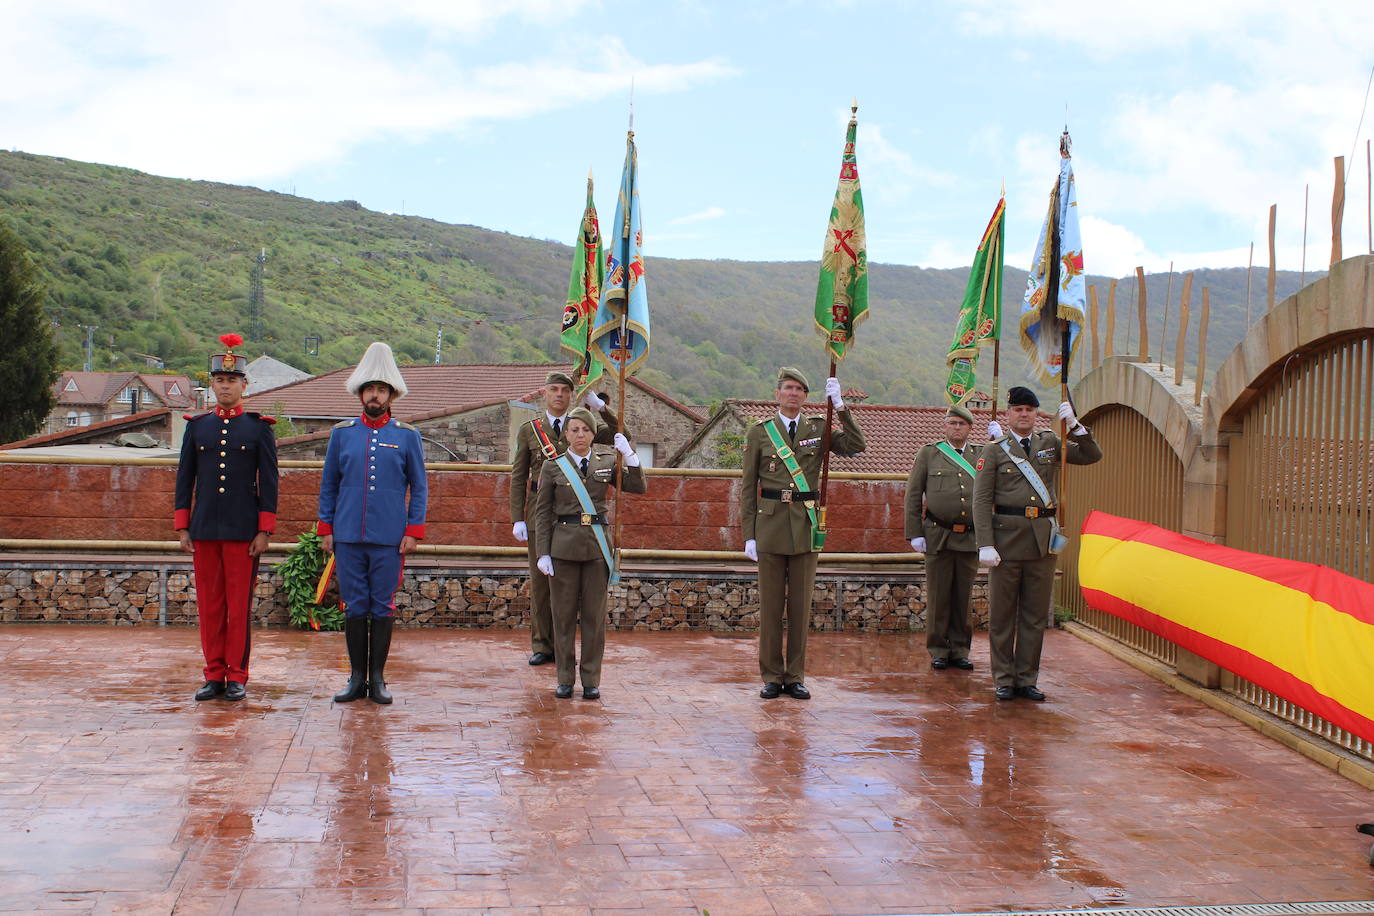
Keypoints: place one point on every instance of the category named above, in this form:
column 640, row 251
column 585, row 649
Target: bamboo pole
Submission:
column 1181, row 349
column 1092, row 314
column 1273, row 269
column 1337, row 210
column 1141, row 314
column 1202, row 345
column 1164, row 331
column 1111, row 320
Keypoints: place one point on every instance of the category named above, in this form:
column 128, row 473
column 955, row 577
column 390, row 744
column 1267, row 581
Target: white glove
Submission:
column 988, row 556
column 545, row 565
column 994, row 430
column 1070, row 421
column 521, row 532
column 918, row 545
column 623, row 446
column 832, row 391
column 751, row 549
column 594, row 402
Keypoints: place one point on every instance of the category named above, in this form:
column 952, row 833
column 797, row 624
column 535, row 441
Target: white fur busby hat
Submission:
column 377, row 365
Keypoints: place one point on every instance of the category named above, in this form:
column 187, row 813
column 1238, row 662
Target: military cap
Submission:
column 795, row 375
column 558, row 378
column 229, row 362
column 585, row 415
column 1018, row 396
column 962, row 412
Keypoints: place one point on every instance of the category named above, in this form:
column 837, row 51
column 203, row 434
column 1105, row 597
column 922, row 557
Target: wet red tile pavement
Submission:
column 896, row 789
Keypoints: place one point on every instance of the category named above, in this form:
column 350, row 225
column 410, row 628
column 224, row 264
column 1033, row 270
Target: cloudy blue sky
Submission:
column 1189, row 119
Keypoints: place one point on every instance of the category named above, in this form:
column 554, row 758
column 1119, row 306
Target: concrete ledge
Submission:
column 1337, row 759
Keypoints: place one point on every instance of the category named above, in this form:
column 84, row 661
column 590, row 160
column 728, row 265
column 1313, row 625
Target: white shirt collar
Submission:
column 785, row 420
column 577, row 456
column 562, row 421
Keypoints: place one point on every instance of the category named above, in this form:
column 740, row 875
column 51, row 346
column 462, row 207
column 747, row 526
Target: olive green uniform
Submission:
column 1022, row 584
column 782, row 532
column 524, row 481
column 939, row 508
column 580, row 573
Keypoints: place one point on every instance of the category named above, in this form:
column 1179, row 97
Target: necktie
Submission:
column 584, row 468
column 557, row 427
column 1025, row 445
column 792, row 429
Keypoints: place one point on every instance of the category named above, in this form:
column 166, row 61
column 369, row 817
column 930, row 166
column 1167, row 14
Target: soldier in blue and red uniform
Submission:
column 226, row 506
column 373, row 496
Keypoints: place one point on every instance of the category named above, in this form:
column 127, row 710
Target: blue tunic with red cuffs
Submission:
column 368, row 470
column 227, row 478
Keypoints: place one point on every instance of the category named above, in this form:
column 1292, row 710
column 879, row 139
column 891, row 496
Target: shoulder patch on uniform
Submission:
column 979, row 465
column 401, row 425
column 344, row 424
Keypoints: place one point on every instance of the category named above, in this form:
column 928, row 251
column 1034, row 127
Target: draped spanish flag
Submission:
column 1301, row 631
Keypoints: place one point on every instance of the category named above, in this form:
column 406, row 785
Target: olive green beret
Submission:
column 962, row 412
column 558, row 378
column 795, row 375
column 585, row 415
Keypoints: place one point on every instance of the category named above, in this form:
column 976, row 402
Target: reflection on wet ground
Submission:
column 896, row 789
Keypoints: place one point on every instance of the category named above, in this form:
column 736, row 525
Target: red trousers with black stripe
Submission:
column 225, row 577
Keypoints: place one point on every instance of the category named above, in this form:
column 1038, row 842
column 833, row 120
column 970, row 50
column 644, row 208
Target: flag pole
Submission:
column 830, row 407
column 1064, row 145
column 997, row 341
column 624, row 318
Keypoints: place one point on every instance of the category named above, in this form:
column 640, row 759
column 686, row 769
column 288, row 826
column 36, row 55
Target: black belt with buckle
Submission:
column 1025, row 511
column 586, row 518
column 957, row 529
column 789, row 496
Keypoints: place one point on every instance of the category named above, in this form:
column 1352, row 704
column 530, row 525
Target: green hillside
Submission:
column 163, row 266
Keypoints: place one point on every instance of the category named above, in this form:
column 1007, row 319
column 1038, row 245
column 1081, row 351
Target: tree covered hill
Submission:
column 162, row 266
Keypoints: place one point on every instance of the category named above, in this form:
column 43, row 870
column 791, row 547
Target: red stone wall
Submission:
column 118, row 502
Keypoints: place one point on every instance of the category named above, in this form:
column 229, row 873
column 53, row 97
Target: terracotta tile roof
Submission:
column 81, row 433
column 892, row 434
column 94, row 388
column 434, row 390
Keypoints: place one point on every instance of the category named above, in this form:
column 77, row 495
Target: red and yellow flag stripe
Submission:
column 1301, row 631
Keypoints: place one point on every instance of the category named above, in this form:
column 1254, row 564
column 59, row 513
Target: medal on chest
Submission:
column 773, row 465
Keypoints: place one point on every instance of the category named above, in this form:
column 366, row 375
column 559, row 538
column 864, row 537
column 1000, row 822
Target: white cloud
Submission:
column 257, row 90
column 708, row 213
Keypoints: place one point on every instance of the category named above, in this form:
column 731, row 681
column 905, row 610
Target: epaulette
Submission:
column 344, row 424
column 403, row 425
column 270, row 421
column 194, row 416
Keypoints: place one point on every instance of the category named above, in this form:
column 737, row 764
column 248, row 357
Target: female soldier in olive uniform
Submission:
column 569, row 551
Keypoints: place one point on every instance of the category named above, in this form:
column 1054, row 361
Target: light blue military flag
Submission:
column 620, row 327
column 1056, row 291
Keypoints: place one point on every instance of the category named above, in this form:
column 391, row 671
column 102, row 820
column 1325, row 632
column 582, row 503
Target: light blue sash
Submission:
column 579, row 488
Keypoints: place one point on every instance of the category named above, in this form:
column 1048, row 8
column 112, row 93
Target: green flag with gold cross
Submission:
column 842, row 293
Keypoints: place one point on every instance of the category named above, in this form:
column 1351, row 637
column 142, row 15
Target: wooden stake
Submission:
column 1111, row 320
column 1368, row 197
column 1273, row 269
column 1337, row 210
column 1092, row 314
column 1164, row 331
column 1141, row 313
column 1302, row 274
column 1249, row 271
column 1202, row 345
column 1181, row 350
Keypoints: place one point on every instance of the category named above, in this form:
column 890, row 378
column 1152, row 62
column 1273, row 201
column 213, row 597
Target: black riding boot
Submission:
column 380, row 644
column 355, row 635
